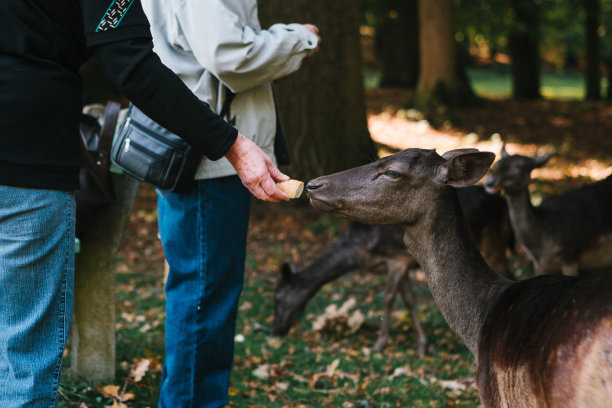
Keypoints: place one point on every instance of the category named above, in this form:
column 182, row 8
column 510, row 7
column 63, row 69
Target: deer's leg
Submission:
column 408, row 297
column 394, row 275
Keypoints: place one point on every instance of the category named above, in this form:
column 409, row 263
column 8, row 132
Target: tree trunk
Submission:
column 398, row 44
column 322, row 106
column 524, row 50
column 442, row 78
column 609, row 65
column 591, row 25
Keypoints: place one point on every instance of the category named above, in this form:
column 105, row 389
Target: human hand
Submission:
column 315, row 30
column 256, row 170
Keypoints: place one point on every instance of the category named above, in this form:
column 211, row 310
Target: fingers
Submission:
column 256, row 170
column 265, row 189
column 272, row 191
column 264, row 186
column 275, row 173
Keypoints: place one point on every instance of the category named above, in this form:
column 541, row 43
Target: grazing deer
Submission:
column 544, row 342
column 366, row 247
column 566, row 233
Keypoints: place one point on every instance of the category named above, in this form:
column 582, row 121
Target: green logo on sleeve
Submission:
column 114, row 14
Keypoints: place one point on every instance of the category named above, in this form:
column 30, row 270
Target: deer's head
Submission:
column 397, row 189
column 512, row 173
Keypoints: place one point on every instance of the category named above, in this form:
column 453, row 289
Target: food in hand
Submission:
column 293, row 188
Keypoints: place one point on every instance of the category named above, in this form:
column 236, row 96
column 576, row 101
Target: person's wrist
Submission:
column 234, row 151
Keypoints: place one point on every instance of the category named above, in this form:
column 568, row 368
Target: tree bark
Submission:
column 609, row 65
column 592, row 9
column 398, row 44
column 524, row 50
column 322, row 106
column 442, row 78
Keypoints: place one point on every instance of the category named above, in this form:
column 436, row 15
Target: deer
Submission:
column 372, row 247
column 541, row 342
column 569, row 233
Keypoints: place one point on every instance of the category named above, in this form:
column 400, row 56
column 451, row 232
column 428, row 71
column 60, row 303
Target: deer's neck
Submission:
column 462, row 284
column 523, row 216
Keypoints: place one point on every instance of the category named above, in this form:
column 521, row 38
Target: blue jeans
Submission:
column 36, row 288
column 203, row 233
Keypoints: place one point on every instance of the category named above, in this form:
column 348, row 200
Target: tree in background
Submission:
column 524, row 49
column 442, row 79
column 322, row 106
column 483, row 26
column 592, row 10
column 397, row 39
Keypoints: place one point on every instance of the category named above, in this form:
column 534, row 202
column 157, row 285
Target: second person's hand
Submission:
column 256, row 170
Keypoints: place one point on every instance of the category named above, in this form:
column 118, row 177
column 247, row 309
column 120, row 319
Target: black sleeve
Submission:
column 112, row 20
column 160, row 94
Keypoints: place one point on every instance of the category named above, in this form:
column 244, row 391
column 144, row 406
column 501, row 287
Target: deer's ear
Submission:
column 288, row 269
column 465, row 169
column 504, row 152
column 456, row 152
column 540, row 161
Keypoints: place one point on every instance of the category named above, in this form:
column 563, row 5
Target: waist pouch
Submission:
column 151, row 154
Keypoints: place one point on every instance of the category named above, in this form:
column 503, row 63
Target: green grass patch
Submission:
column 496, row 83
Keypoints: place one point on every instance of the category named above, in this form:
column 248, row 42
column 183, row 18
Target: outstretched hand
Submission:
column 256, row 170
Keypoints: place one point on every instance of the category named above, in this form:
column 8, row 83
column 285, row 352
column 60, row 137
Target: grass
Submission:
column 496, row 83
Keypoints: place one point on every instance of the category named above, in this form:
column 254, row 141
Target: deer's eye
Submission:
column 392, row 174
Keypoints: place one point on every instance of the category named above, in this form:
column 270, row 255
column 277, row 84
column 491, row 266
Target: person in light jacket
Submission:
column 220, row 51
column 42, row 45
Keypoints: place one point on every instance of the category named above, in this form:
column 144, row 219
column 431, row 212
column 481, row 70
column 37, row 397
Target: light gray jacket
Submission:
column 217, row 44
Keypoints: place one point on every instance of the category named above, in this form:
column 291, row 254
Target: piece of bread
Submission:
column 293, row 188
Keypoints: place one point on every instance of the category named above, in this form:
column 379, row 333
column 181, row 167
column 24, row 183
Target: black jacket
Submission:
column 42, row 45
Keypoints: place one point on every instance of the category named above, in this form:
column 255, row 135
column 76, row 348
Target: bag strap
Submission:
column 111, row 115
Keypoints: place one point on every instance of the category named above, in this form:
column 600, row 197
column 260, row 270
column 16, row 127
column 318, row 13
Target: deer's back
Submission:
column 584, row 212
column 547, row 342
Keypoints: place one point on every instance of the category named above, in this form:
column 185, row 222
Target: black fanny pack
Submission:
column 150, row 153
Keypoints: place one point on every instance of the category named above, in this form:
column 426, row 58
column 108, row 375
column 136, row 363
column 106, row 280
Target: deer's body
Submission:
column 366, row 247
column 548, row 343
column 544, row 342
column 567, row 233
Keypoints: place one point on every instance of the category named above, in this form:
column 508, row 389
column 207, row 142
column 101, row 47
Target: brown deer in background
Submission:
column 566, row 233
column 544, row 342
column 367, row 247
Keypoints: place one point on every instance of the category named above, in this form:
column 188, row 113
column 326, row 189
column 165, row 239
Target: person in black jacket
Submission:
column 42, row 45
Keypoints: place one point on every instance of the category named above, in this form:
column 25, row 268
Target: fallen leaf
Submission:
column 262, row 372
column 109, row 391
column 139, row 368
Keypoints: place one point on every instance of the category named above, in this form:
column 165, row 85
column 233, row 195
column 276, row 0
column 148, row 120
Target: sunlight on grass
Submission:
column 496, row 83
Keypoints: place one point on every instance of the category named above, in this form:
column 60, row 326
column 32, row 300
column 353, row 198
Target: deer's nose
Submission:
column 313, row 185
column 490, row 182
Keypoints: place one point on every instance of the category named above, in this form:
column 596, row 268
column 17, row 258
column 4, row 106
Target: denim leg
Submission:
column 204, row 234
column 36, row 287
